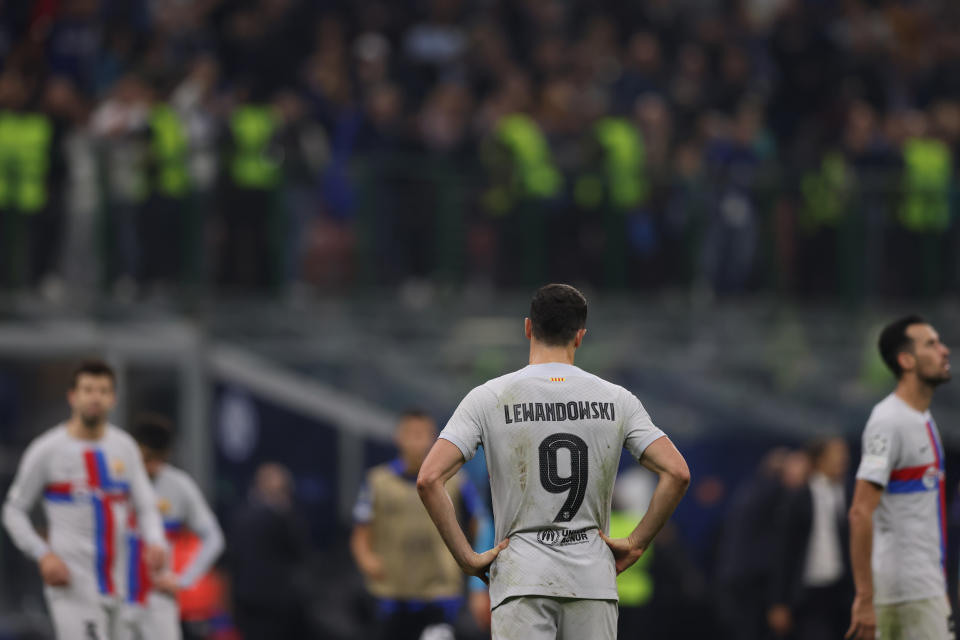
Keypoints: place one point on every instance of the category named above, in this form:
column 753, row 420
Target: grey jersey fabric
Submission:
column 183, row 507
column 902, row 453
column 88, row 489
column 552, row 435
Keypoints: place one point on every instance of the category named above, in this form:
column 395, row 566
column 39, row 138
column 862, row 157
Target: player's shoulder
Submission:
column 119, row 437
column 384, row 468
column 614, row 390
column 496, row 385
column 892, row 413
column 177, row 476
column 49, row 439
column 489, row 392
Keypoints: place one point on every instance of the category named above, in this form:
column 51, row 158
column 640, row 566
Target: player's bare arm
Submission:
column 662, row 458
column 443, row 461
column 863, row 617
column 361, row 546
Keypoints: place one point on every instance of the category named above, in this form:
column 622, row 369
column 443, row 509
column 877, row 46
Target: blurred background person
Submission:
column 152, row 611
column 415, row 581
column 269, row 560
column 749, row 545
column 812, row 581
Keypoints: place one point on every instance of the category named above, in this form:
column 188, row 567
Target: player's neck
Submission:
column 543, row 354
column 915, row 393
column 78, row 430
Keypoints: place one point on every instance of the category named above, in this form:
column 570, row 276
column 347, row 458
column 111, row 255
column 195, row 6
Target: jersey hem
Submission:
column 543, row 593
column 878, row 602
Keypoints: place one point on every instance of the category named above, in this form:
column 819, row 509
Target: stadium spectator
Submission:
column 842, row 159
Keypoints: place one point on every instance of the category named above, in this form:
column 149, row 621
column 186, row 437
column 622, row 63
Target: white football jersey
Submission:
column 902, row 453
column 552, row 434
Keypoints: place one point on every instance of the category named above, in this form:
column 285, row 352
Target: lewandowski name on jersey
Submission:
column 557, row 411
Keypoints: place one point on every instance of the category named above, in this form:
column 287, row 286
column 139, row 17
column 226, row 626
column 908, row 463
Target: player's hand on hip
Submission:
column 155, row 557
column 624, row 553
column 863, row 620
column 167, row 582
column 54, row 570
column 478, row 564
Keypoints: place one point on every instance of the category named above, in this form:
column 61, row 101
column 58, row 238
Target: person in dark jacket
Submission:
column 268, row 553
column 811, row 581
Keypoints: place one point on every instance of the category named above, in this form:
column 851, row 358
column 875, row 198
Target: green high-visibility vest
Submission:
column 252, row 166
column 25, row 147
column 169, row 147
column 621, row 175
column 825, row 193
column 536, row 176
column 635, row 585
column 928, row 168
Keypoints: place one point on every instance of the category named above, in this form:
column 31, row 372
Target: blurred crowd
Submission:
column 796, row 144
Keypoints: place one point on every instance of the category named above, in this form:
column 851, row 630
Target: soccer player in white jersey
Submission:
column 552, row 434
column 88, row 473
column 151, row 604
column 898, row 514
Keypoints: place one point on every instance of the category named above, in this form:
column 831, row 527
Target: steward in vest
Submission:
column 250, row 207
column 826, row 195
column 924, row 211
column 164, row 217
column 415, row 581
column 613, row 184
column 927, row 172
column 631, row 494
column 523, row 180
column 29, row 241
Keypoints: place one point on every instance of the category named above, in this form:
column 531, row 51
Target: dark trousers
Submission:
column 248, row 238
column 824, row 612
column 30, row 245
column 159, row 238
column 406, row 622
column 257, row 622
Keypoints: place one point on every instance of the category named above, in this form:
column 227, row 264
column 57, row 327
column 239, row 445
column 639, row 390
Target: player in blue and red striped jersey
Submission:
column 89, row 475
column 898, row 519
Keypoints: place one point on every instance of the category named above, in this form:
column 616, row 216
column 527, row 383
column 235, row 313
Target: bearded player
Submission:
column 90, row 477
column 898, row 515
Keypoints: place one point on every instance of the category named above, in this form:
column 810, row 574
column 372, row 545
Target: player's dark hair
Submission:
column 153, row 431
column 92, row 368
column 894, row 341
column 818, row 446
column 557, row 312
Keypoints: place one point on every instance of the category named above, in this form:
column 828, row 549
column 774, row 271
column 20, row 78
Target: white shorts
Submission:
column 78, row 616
column 929, row 619
column 546, row 618
column 158, row 620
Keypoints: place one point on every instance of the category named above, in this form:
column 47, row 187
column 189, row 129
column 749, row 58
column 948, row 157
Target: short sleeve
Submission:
column 363, row 508
column 465, row 427
column 639, row 431
column 881, row 452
